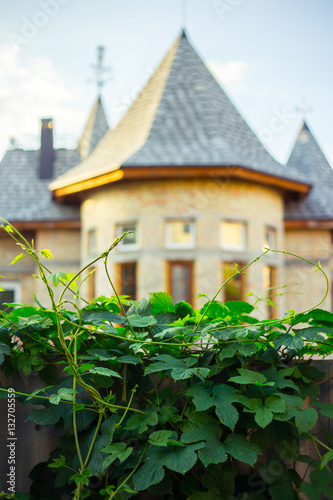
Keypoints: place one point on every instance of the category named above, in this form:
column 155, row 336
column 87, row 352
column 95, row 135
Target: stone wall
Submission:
column 65, row 247
column 307, row 287
column 207, row 202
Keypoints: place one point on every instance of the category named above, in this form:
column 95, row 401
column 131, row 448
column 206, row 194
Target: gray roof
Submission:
column 95, row 129
column 309, row 160
column 24, row 196
column 196, row 124
column 182, row 117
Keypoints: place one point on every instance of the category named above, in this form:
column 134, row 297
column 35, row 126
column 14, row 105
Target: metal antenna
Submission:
column 303, row 109
column 184, row 13
column 100, row 70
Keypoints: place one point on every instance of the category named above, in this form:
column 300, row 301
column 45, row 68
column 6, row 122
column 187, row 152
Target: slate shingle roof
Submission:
column 95, row 129
column 181, row 118
column 26, row 197
column 309, row 160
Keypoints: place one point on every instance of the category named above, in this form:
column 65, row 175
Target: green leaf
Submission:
column 325, row 409
column 177, row 458
column 283, row 489
column 326, row 458
column 130, row 360
column 160, row 438
column 141, row 321
column 180, row 368
column 275, row 404
column 82, row 478
column 232, row 349
column 98, row 317
column 278, row 377
column 161, row 302
column 58, row 462
column 116, row 450
column 238, row 307
column 306, row 419
column 263, row 416
column 322, row 484
column 293, row 341
column 4, row 349
column 250, row 377
column 97, row 457
column 221, row 396
column 17, row 258
column 142, row 421
column 47, row 253
column 209, row 431
column 106, row 372
column 100, row 354
column 147, row 475
column 241, row 449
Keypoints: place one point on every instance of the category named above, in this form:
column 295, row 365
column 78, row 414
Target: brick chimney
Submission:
column 46, row 149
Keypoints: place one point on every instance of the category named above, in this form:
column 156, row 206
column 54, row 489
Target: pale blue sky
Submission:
column 268, row 54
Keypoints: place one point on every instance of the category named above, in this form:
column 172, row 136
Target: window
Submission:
column 130, row 241
column 270, row 238
column 11, row 294
column 269, row 286
column 128, row 279
column 234, row 289
column 91, row 240
column 233, row 235
column 180, row 234
column 181, row 281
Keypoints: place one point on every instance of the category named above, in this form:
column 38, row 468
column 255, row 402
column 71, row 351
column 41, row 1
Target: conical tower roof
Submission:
column 95, row 129
column 308, row 158
column 181, row 118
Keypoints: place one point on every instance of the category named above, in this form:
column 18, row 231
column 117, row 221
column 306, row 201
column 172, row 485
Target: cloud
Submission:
column 31, row 90
column 231, row 74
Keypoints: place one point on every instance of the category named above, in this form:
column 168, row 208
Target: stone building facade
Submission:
column 184, row 172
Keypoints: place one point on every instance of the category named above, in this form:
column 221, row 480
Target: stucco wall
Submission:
column 207, row 202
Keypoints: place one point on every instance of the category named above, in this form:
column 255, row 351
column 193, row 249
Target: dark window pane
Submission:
column 6, row 296
column 128, row 280
column 181, row 281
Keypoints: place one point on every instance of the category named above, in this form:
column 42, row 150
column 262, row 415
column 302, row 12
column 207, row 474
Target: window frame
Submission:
column 12, row 286
column 273, row 273
column 241, row 277
column 121, row 266
column 244, row 229
column 120, row 229
column 269, row 230
column 179, row 246
column 185, row 263
column 91, row 235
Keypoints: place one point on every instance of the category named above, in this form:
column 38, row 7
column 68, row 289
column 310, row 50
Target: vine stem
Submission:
column 76, row 437
column 128, row 406
column 223, row 285
column 113, row 494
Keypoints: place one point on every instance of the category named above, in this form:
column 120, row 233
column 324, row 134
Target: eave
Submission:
column 124, row 174
column 309, row 224
column 35, row 225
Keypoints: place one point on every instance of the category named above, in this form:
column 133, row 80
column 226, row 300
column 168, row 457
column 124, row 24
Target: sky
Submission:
column 272, row 57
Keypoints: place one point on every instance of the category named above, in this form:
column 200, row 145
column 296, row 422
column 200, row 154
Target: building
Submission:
column 184, row 171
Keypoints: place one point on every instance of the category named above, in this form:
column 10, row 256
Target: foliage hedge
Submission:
column 157, row 400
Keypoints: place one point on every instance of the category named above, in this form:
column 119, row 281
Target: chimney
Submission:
column 46, row 149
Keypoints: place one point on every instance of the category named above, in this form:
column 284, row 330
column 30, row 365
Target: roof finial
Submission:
column 303, row 109
column 184, row 14
column 100, row 70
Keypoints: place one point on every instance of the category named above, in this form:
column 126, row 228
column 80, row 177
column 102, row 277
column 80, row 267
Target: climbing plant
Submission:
column 162, row 401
